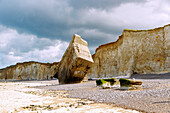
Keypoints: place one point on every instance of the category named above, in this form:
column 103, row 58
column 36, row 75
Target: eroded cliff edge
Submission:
column 29, row 71
column 136, row 51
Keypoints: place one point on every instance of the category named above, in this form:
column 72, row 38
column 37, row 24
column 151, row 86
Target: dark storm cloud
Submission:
column 100, row 4
column 54, row 18
column 40, row 17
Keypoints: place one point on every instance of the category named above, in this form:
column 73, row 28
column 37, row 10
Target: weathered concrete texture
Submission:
column 75, row 62
column 29, row 71
column 136, row 51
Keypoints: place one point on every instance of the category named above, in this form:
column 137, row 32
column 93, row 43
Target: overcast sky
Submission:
column 40, row 30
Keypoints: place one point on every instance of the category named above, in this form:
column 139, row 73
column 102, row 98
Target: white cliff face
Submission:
column 29, row 71
column 136, row 51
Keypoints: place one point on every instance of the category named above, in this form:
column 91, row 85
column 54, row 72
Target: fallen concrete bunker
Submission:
column 76, row 62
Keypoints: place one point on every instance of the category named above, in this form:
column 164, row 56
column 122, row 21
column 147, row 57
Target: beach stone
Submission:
column 106, row 83
column 75, row 62
column 128, row 84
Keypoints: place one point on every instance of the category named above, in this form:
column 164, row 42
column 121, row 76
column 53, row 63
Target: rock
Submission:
column 29, row 71
column 135, row 52
column 106, row 83
column 135, row 82
column 75, row 62
column 128, row 84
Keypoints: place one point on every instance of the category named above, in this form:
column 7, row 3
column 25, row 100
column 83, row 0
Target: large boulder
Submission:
column 129, row 84
column 106, row 83
column 75, row 62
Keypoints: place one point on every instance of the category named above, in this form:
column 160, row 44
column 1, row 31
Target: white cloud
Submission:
column 16, row 47
column 48, row 54
column 150, row 14
column 143, row 16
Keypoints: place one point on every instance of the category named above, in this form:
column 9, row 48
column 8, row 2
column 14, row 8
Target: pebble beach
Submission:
column 35, row 97
column 152, row 96
column 86, row 97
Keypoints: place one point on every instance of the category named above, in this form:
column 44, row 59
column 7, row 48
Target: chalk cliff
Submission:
column 136, row 51
column 29, row 71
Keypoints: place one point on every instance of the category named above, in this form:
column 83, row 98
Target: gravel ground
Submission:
column 153, row 96
column 23, row 97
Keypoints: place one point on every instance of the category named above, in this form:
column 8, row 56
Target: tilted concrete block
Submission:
column 75, row 62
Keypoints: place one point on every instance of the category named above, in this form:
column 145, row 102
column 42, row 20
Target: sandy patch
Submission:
column 20, row 97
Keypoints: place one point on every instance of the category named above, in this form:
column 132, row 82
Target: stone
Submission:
column 75, row 62
column 135, row 52
column 29, row 71
column 128, row 84
column 106, row 83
